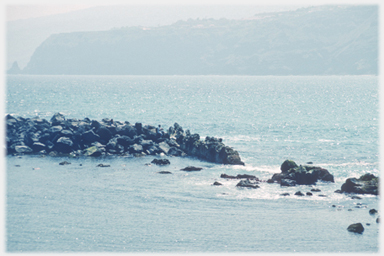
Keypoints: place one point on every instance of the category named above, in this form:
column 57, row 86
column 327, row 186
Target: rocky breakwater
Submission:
column 74, row 137
column 292, row 174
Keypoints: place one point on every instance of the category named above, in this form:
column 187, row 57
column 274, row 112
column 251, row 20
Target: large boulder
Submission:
column 93, row 151
column 90, row 136
column 292, row 175
column 287, row 165
column 356, row 228
column 57, row 119
column 63, row 145
column 366, row 184
column 23, row 149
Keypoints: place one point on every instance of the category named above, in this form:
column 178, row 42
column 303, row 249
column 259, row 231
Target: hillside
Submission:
column 322, row 40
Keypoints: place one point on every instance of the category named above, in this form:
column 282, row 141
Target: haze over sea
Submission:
column 330, row 121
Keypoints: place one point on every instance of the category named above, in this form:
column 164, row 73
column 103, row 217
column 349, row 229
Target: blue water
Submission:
column 129, row 207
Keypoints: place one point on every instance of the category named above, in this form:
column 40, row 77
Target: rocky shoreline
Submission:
column 73, row 137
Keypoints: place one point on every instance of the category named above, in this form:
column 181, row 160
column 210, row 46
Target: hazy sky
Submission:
column 22, row 9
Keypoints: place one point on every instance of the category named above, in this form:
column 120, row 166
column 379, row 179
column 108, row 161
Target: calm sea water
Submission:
column 129, row 207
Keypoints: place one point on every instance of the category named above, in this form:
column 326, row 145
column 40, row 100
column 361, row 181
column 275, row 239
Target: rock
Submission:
column 164, row 172
column 71, row 135
column 103, row 165
column 285, row 194
column 366, row 184
column 57, row 118
column 301, row 175
column 135, row 148
column 38, row 146
column 217, row 184
column 287, row 183
column 287, row 165
column 299, row 193
column 315, row 190
column 90, row 136
column 356, row 228
column 373, row 211
column 270, row 181
column 309, row 194
column 161, row 161
column 247, row 184
column 356, row 197
column 378, row 220
column 239, row 176
column 104, row 133
column 64, row 163
column 23, row 149
column 191, row 169
column 173, row 151
column 93, row 151
column 63, row 145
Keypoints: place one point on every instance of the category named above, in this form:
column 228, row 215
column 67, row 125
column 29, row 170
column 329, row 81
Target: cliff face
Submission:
column 323, row 40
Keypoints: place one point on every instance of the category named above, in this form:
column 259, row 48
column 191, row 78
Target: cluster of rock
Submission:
column 292, row 174
column 366, row 184
column 93, row 138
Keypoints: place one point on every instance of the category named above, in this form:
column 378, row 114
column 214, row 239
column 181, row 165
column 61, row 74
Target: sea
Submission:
column 330, row 121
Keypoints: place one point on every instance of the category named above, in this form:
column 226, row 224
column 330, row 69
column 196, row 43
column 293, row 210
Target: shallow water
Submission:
column 330, row 121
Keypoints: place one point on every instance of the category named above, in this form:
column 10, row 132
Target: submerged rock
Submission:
column 191, row 169
column 217, row 184
column 64, row 163
column 239, row 176
column 161, row 161
column 247, row 184
column 356, row 228
column 103, row 165
column 164, row 172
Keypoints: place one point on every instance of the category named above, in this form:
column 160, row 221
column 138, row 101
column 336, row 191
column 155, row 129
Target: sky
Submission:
column 24, row 9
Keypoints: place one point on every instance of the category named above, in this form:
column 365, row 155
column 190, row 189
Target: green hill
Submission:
column 322, row 40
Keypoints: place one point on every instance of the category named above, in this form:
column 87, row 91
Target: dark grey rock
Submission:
column 191, row 169
column 366, row 184
column 217, row 184
column 64, row 163
column 103, row 165
column 37, row 147
column 239, row 176
column 287, row 183
column 373, row 211
column 90, row 136
column 299, row 193
column 161, row 161
column 63, row 145
column 247, row 184
column 164, row 172
column 57, row 118
column 23, row 149
column 356, row 228
column 302, row 175
column 287, row 165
